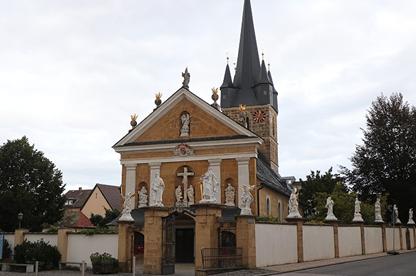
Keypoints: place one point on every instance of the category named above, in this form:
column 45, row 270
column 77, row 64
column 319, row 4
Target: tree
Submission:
column 101, row 221
column 29, row 183
column 316, row 183
column 386, row 161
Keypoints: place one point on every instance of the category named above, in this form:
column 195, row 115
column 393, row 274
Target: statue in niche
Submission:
column 229, row 195
column 357, row 211
column 158, row 186
column 190, row 195
column 294, row 204
column 396, row 214
column 330, row 206
column 377, row 210
column 127, row 207
column 411, row 221
column 185, row 122
column 143, row 197
column 246, row 200
column 178, row 194
column 209, row 187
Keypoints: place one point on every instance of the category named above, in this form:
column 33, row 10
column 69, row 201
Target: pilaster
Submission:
column 62, row 243
column 384, row 237
column 154, row 170
column 243, row 176
column 215, row 166
column 130, row 180
column 19, row 236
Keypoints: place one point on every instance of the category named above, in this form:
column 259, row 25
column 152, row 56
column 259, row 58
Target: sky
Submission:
column 72, row 72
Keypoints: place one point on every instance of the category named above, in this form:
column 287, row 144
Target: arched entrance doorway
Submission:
column 185, row 238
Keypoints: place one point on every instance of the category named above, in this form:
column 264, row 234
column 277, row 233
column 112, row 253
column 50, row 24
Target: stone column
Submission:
column 154, row 169
column 384, row 237
column 215, row 165
column 130, row 181
column 243, row 176
column 153, row 239
column 414, row 236
column 206, row 229
column 62, row 243
column 299, row 234
column 19, row 236
column 362, row 231
column 246, row 239
column 336, row 240
column 125, row 246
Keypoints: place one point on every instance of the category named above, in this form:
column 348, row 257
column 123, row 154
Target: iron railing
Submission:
column 222, row 258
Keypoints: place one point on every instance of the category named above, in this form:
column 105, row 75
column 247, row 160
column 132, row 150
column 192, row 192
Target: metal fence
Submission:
column 222, row 258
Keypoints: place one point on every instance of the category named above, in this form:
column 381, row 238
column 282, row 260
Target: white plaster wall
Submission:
column 318, row 242
column 275, row 244
column 80, row 247
column 389, row 238
column 373, row 240
column 51, row 239
column 349, row 241
column 10, row 239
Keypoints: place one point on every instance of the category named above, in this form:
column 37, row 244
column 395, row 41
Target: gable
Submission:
column 164, row 124
column 95, row 204
column 202, row 124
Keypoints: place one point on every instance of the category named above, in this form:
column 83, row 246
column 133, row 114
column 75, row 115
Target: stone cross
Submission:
column 185, row 174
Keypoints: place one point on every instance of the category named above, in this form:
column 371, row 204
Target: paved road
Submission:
column 399, row 265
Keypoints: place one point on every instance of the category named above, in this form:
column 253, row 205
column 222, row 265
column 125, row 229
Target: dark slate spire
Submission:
column 248, row 64
column 227, row 78
column 264, row 75
column 252, row 84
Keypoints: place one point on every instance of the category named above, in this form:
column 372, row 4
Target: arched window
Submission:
column 268, row 206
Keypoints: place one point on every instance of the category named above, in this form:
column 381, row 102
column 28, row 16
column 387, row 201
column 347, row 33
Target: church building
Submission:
column 190, row 168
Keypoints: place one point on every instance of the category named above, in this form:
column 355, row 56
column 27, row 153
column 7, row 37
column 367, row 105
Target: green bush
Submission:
column 103, row 263
column 29, row 252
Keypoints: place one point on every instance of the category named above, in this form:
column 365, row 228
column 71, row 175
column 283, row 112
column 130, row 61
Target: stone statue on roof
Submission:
column 186, row 78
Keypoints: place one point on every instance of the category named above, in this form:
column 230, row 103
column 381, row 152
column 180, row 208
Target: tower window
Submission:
column 268, row 206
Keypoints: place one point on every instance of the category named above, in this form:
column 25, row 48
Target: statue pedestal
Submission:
column 153, row 239
column 206, row 229
column 246, row 239
column 357, row 218
column 125, row 236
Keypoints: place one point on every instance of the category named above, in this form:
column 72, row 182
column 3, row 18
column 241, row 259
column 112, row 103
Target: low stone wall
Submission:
column 275, row 244
column 318, row 242
column 80, row 246
column 290, row 243
column 349, row 241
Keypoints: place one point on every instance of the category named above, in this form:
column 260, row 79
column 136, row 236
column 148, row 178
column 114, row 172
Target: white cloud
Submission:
column 71, row 72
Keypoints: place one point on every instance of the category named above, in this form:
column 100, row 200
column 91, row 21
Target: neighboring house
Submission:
column 101, row 198
column 81, row 204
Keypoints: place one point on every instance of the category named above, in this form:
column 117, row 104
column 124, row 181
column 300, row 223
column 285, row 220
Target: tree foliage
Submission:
column 29, row 183
column 318, row 187
column 101, row 221
column 386, row 160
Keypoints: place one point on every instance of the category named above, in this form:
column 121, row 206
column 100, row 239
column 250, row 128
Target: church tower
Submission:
column 251, row 98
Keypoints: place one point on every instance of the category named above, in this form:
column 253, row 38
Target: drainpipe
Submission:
column 258, row 199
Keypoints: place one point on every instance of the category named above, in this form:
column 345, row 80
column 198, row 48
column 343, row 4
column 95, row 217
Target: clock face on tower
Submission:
column 259, row 116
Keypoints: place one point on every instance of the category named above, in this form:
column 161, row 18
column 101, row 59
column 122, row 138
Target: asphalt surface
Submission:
column 399, row 265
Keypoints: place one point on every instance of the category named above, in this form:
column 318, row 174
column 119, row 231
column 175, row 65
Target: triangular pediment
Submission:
column 164, row 124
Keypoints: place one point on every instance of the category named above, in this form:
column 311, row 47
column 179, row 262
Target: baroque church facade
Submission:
column 191, row 163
